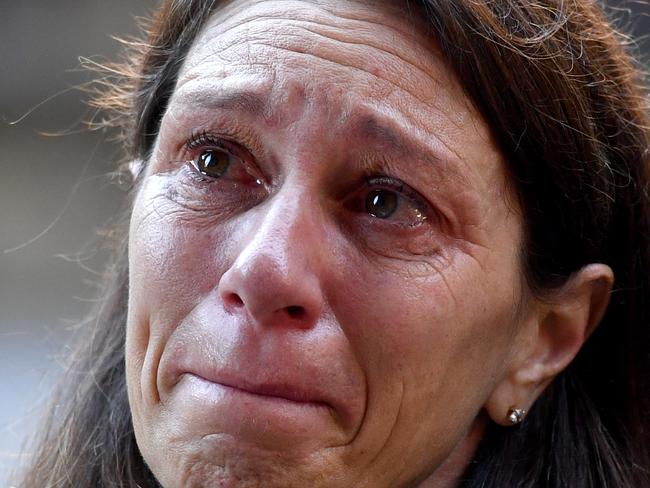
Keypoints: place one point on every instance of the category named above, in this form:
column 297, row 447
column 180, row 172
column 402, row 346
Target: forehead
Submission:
column 338, row 44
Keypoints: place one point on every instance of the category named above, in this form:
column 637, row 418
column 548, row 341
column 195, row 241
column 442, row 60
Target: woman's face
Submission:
column 324, row 261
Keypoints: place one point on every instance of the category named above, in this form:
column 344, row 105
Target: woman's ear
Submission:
column 549, row 339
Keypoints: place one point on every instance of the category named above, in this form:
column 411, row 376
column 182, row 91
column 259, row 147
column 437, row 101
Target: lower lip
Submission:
column 268, row 421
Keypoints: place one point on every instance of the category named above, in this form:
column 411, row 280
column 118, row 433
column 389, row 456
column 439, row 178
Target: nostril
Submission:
column 233, row 300
column 296, row 312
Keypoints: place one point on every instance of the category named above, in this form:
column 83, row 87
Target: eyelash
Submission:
column 202, row 139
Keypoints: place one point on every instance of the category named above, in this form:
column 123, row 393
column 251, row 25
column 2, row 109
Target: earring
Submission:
column 516, row 415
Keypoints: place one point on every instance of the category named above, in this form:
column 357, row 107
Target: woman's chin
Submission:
column 221, row 460
column 216, row 435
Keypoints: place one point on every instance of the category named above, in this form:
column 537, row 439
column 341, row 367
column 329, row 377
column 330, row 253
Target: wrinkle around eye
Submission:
column 166, row 202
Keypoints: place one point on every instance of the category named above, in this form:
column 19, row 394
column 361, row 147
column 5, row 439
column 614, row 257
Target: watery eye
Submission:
column 213, row 163
column 382, row 203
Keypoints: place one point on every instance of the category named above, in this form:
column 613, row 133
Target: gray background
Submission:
column 58, row 188
column 55, row 192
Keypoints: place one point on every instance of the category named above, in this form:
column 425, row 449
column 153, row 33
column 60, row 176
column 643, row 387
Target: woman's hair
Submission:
column 566, row 104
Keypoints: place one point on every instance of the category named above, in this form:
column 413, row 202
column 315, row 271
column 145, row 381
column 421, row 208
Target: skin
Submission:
column 278, row 333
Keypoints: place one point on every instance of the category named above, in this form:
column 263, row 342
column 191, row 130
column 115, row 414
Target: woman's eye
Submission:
column 391, row 217
column 389, row 199
column 213, row 162
column 219, row 163
column 382, row 203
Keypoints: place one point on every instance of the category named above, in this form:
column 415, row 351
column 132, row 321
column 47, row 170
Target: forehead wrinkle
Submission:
column 368, row 13
column 404, row 20
column 258, row 37
column 333, row 30
column 364, row 25
column 430, row 97
column 387, row 50
column 395, row 86
column 245, row 100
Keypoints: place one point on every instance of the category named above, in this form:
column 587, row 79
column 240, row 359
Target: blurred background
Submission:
column 56, row 192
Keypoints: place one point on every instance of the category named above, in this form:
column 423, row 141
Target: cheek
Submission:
column 432, row 349
column 176, row 254
column 176, row 257
column 168, row 261
column 416, row 319
column 175, row 260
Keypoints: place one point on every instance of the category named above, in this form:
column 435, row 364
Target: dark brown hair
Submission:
column 567, row 105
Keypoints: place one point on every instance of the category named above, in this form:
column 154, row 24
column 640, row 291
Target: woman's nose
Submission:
column 275, row 278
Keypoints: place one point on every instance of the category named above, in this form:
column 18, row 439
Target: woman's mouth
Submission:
column 267, row 415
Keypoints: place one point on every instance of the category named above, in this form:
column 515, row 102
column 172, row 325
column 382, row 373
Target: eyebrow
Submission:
column 369, row 127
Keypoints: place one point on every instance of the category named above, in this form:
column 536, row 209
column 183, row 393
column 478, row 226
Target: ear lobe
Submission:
column 551, row 338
